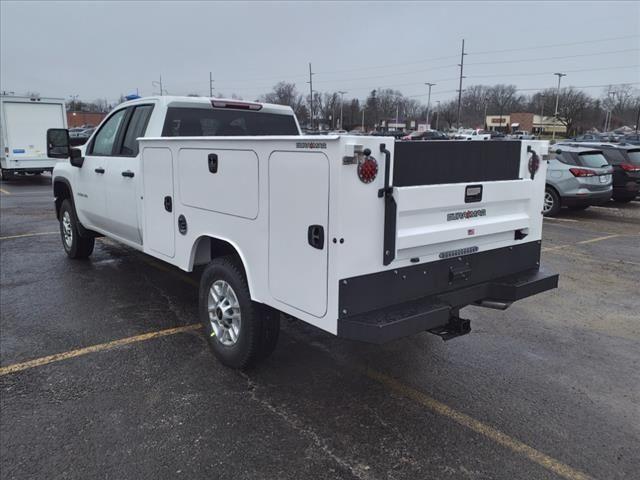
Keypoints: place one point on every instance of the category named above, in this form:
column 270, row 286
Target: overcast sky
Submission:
column 100, row 50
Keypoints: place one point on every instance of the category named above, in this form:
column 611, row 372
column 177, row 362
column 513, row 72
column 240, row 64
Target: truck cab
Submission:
column 106, row 189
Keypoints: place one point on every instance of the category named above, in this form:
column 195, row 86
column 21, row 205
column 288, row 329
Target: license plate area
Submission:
column 473, row 193
column 605, row 178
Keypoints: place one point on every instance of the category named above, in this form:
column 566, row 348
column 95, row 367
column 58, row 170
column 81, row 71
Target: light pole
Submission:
column 437, row 113
column 341, row 103
column 555, row 114
column 429, row 101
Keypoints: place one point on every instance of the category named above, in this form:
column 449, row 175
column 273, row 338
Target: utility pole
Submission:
column 363, row 122
column 541, row 114
column 485, row 125
column 555, row 115
column 310, row 82
column 341, row 103
column 461, row 65
column 159, row 85
column 429, row 101
column 74, row 98
column 210, row 85
column 437, row 113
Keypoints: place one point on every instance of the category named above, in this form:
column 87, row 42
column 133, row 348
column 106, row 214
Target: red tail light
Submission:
column 582, row 172
column 367, row 170
column 627, row 167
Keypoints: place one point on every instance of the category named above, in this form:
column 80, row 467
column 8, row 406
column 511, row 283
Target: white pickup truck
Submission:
column 471, row 134
column 360, row 236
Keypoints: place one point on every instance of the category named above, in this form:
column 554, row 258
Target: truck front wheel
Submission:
column 239, row 331
column 75, row 245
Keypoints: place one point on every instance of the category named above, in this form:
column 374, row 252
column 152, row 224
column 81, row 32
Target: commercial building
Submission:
column 79, row 119
column 524, row 121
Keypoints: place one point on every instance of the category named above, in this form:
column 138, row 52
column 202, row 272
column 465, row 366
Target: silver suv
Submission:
column 577, row 178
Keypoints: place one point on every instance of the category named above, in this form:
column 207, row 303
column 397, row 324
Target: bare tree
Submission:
column 449, row 112
column 286, row 94
column 573, row 105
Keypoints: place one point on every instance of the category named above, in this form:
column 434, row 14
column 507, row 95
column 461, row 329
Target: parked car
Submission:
column 495, row 135
column 471, row 134
column 632, row 138
column 87, row 132
column 587, row 137
column 76, row 131
column 577, row 178
column 523, row 135
column 426, row 135
column 625, row 161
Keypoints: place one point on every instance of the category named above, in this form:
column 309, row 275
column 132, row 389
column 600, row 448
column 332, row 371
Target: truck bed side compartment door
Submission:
column 298, row 224
column 157, row 179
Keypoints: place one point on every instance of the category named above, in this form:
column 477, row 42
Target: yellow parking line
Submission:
column 27, row 235
column 4, row 191
column 599, row 239
column 491, row 433
column 582, row 242
column 38, row 362
column 550, row 463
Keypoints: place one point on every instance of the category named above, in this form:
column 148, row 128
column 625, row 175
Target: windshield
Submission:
column 199, row 122
column 634, row 156
column 593, row 159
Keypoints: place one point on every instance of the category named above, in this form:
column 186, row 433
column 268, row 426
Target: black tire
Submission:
column 552, row 199
column 74, row 244
column 7, row 174
column 623, row 199
column 256, row 332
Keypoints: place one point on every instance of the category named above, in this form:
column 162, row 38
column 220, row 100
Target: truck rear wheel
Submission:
column 75, row 245
column 239, row 331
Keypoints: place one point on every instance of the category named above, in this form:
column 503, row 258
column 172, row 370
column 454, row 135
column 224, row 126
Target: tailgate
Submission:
column 456, row 198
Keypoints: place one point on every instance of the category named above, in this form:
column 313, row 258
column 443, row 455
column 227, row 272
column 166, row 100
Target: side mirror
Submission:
column 58, row 143
column 76, row 157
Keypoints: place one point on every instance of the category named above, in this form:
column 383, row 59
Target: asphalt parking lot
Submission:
column 104, row 375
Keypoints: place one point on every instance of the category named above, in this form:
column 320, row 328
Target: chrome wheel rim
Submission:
column 224, row 313
column 67, row 231
column 548, row 202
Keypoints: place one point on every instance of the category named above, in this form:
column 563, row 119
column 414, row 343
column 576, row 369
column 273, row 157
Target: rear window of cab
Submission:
column 199, row 122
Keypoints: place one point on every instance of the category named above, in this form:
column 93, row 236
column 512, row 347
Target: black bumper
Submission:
column 381, row 307
column 599, row 198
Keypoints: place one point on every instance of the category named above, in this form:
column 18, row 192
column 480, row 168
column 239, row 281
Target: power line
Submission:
column 487, row 52
column 549, row 73
column 557, row 58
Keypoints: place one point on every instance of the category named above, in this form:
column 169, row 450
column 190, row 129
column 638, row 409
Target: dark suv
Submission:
column 625, row 160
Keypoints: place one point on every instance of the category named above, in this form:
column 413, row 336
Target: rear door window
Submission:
column 137, row 127
column 593, row 159
column 634, row 156
column 198, row 122
column 614, row 156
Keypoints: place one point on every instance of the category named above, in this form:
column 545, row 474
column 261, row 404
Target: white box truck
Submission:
column 24, row 122
column 362, row 237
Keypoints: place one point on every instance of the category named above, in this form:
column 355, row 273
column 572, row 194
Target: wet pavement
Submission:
column 549, row 388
